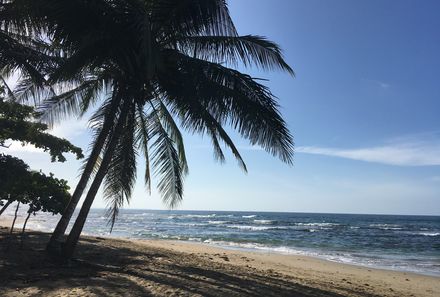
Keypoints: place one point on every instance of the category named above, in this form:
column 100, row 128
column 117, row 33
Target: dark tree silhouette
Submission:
column 151, row 66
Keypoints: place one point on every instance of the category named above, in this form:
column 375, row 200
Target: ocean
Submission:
column 405, row 243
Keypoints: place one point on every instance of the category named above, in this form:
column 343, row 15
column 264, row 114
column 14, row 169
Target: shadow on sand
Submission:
column 108, row 267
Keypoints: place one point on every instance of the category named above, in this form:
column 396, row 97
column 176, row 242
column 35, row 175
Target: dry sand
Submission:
column 111, row 267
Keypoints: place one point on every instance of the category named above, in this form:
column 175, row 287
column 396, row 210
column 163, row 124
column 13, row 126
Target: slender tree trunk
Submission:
column 15, row 217
column 72, row 239
column 25, row 222
column 5, row 206
column 24, row 227
column 56, row 238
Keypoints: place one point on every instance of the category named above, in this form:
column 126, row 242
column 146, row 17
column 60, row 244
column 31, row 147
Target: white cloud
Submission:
column 17, row 147
column 69, row 128
column 402, row 154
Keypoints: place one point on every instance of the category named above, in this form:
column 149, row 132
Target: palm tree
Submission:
column 156, row 61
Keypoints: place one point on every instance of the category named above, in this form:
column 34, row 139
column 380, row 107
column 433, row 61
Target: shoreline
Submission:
column 255, row 271
column 6, row 223
column 267, row 253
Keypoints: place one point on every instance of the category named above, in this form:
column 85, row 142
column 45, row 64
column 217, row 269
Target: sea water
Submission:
column 405, row 243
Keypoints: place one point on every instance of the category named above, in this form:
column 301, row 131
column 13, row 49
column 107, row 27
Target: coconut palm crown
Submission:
column 149, row 67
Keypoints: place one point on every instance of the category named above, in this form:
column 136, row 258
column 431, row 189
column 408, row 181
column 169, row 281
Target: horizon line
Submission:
column 259, row 211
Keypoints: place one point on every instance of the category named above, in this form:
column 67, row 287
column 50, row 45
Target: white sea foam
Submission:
column 249, row 217
column 257, row 228
column 384, row 225
column 254, row 246
column 318, row 224
column 201, row 216
column 264, row 222
column 429, row 233
column 217, row 222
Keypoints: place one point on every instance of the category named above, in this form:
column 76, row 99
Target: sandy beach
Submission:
column 113, row 267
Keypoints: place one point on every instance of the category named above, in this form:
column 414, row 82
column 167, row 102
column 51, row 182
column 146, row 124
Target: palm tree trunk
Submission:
column 54, row 243
column 55, row 239
column 72, row 239
column 5, row 206
column 15, row 217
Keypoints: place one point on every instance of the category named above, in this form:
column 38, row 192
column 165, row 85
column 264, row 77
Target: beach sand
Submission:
column 112, row 267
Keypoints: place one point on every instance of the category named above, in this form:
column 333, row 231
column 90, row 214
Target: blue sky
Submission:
column 363, row 108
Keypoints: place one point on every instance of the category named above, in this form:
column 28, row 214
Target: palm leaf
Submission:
column 249, row 50
column 231, row 97
column 173, row 130
column 143, row 138
column 121, row 174
column 166, row 162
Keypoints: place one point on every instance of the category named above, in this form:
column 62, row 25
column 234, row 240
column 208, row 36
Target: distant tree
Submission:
column 39, row 191
column 17, row 182
column 17, row 122
column 47, row 194
column 14, row 174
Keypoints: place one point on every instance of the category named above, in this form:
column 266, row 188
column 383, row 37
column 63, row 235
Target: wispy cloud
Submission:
column 420, row 153
column 378, row 83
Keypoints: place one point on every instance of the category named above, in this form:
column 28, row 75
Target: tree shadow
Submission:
column 109, row 267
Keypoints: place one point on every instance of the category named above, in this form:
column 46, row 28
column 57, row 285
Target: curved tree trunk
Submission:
column 25, row 222
column 55, row 239
column 15, row 217
column 5, row 206
column 24, row 227
column 72, row 239
column 54, row 243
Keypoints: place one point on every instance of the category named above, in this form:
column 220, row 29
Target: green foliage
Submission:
column 16, row 123
column 41, row 192
column 14, row 176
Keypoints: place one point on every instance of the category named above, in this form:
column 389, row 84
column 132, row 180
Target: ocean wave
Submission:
column 256, row 246
column 318, row 224
column 427, row 233
column 264, row 222
column 191, row 224
column 249, row 217
column 257, row 228
column 384, row 225
column 200, row 216
column 217, row 222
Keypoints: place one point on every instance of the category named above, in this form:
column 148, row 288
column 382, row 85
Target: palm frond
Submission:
column 192, row 17
column 249, row 50
column 143, row 138
column 231, row 97
column 166, row 162
column 26, row 91
column 121, row 174
column 74, row 102
column 196, row 117
column 173, row 130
